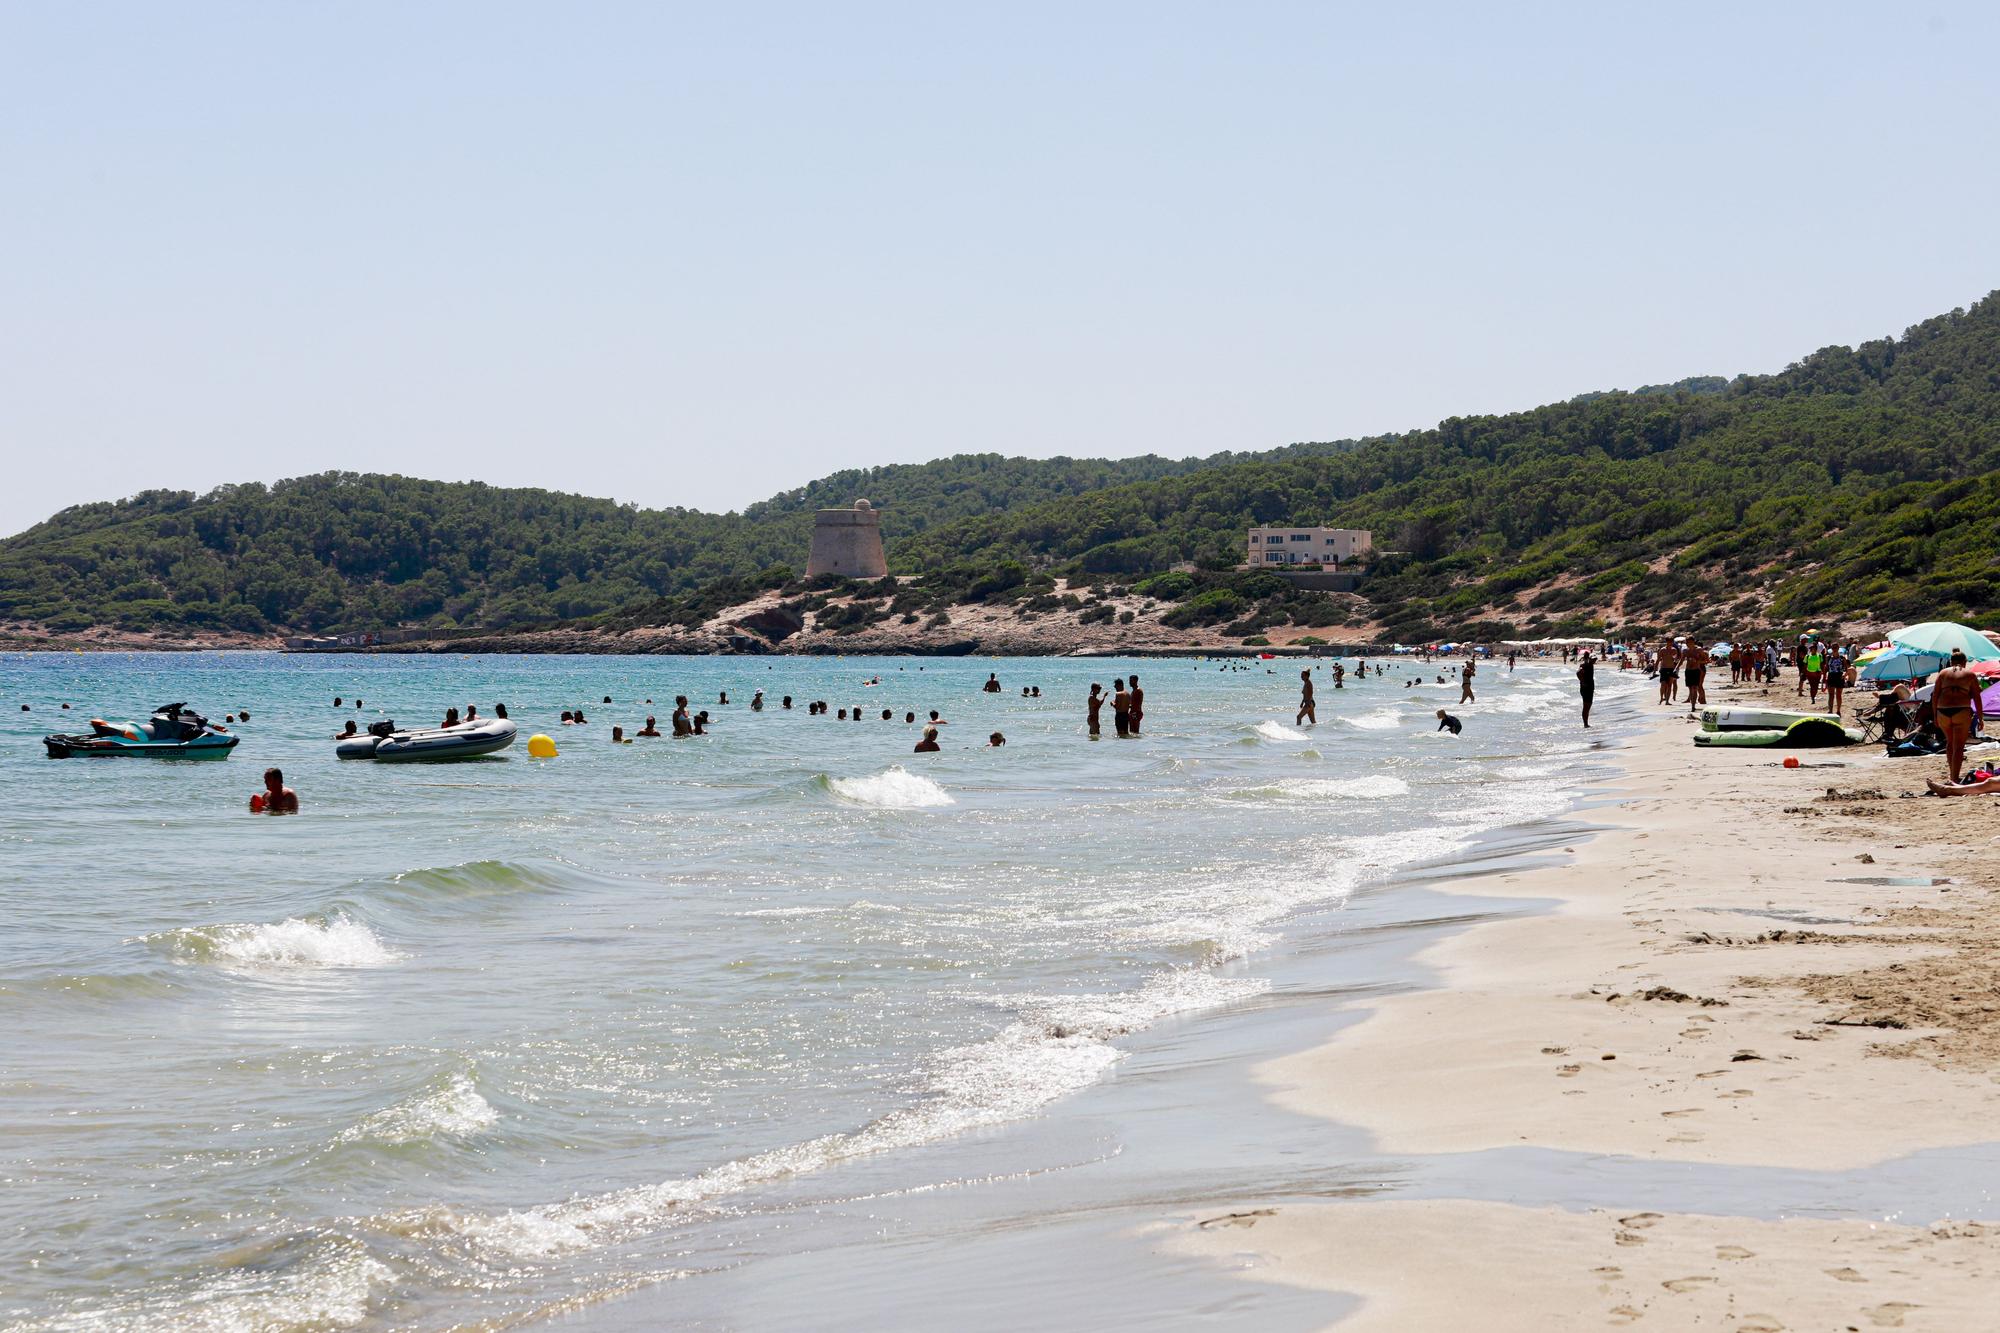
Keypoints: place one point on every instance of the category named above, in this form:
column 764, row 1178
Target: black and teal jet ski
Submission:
column 174, row 732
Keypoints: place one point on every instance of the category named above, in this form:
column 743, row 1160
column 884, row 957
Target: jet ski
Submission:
column 174, row 732
column 384, row 742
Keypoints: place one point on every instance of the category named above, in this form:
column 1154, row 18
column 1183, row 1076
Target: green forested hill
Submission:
column 347, row 549
column 1859, row 479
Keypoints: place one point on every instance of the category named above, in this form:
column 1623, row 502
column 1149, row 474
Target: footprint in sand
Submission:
column 1713, row 1073
column 1686, row 1284
column 1608, row 1272
column 1640, row 1221
column 1733, row 1252
column 1889, row 1315
column 1760, row 1323
column 1625, row 1314
column 1695, row 1032
column 1675, row 1115
column 1685, row 1138
column 1845, row 1275
column 1568, row 1071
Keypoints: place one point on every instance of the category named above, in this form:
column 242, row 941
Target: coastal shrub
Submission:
column 1097, row 614
column 1126, row 617
column 1207, row 608
column 1168, row 587
column 1256, row 641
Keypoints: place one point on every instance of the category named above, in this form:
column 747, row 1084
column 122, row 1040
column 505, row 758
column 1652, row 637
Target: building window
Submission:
column 1274, row 541
column 1302, row 536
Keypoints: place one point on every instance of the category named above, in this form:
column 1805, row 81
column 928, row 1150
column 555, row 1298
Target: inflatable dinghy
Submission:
column 1805, row 733
column 460, row 742
column 1757, row 719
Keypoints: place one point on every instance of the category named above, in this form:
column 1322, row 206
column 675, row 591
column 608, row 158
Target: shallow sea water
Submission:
column 505, row 1038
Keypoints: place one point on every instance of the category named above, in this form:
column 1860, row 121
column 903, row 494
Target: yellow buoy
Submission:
column 541, row 747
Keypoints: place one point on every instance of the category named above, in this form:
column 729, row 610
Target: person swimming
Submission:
column 1446, row 722
column 995, row 741
column 757, row 702
column 888, row 715
column 500, row 711
column 651, row 728
column 566, row 719
column 351, row 731
column 929, row 743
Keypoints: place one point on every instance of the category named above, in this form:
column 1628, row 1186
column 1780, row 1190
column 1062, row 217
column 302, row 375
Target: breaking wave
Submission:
column 895, row 788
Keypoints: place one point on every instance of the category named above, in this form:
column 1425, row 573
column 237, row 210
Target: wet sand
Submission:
column 1747, row 970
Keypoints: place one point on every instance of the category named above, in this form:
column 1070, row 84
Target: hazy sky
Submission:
column 696, row 254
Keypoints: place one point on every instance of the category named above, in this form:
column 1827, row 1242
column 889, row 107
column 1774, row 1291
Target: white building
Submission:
column 1307, row 546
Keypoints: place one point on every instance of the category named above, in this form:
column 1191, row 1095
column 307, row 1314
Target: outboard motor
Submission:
column 386, row 727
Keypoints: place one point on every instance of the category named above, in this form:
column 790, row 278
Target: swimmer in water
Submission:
column 276, row 798
column 651, row 728
column 929, row 744
column 757, row 702
column 995, row 741
column 343, row 735
column 1446, row 722
column 500, row 711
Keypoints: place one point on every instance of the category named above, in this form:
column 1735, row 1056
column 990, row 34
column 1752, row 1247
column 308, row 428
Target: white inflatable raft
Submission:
column 1757, row 719
column 460, row 742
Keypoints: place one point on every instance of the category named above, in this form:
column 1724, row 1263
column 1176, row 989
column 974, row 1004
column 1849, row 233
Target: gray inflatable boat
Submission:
column 459, row 742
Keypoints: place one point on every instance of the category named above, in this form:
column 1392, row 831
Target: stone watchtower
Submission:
column 847, row 542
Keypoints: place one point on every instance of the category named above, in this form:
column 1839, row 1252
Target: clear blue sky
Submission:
column 697, row 254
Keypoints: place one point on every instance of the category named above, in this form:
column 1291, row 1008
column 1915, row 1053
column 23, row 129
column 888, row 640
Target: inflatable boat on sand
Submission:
column 1757, row 719
column 383, row 742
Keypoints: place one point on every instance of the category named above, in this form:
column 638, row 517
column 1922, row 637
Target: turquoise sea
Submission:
column 509, row 1039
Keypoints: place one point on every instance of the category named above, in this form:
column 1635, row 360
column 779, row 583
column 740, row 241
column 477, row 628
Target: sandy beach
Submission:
column 1751, row 966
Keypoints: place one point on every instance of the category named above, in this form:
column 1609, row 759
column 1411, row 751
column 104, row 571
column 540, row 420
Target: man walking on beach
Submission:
column 1586, row 683
column 1694, row 674
column 1956, row 706
column 1670, row 671
column 1306, row 713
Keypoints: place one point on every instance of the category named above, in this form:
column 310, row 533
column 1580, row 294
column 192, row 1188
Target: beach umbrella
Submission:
column 1901, row 663
column 1941, row 636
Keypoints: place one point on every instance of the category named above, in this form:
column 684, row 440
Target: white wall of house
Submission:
column 1307, row 546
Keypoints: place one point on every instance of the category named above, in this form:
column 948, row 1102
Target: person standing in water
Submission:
column 1138, row 708
column 278, row 799
column 1956, row 706
column 1306, row 713
column 1121, row 708
column 992, row 685
column 682, row 724
column 1465, row 674
column 1095, row 705
column 1586, row 683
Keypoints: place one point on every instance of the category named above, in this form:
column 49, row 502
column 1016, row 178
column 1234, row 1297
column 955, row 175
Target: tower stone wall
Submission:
column 848, row 542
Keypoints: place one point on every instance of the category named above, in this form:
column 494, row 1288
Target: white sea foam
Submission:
column 895, row 788
column 1058, row 1045
column 453, row 1109
column 337, row 941
column 1377, row 786
column 1277, row 731
column 1382, row 719
column 328, row 1283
